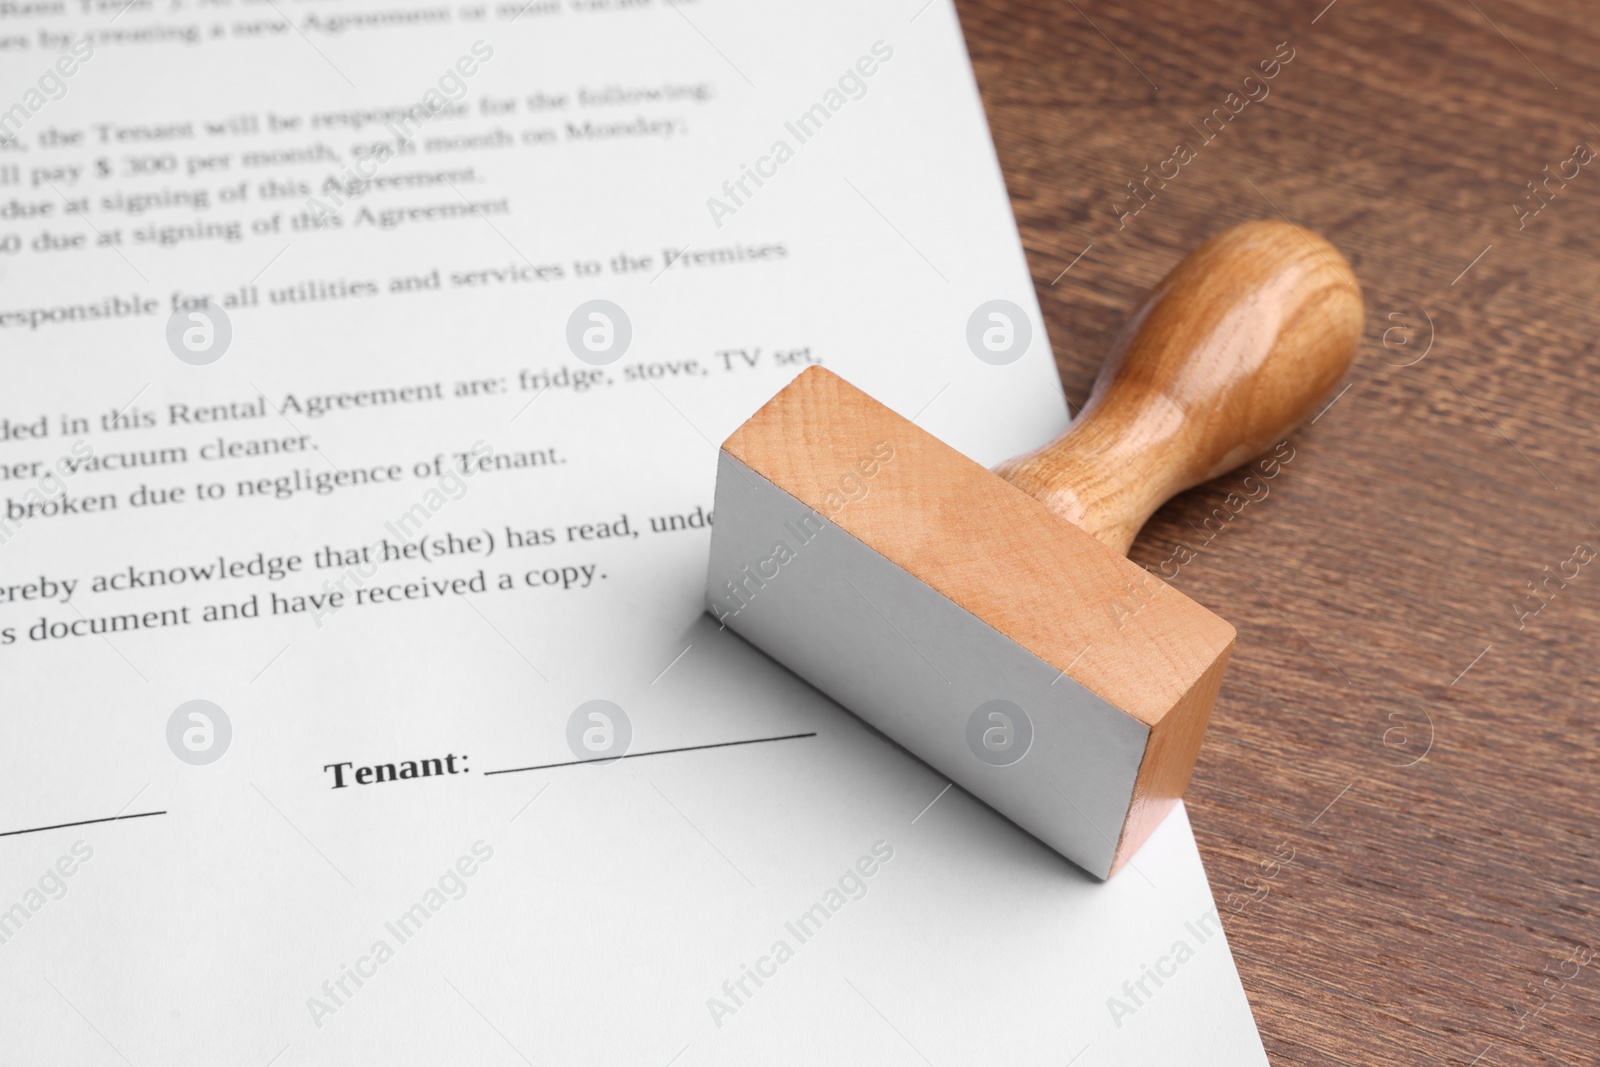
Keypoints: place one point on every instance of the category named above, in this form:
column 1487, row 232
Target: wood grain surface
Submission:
column 1397, row 800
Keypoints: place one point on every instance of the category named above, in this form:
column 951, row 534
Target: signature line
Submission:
column 656, row 752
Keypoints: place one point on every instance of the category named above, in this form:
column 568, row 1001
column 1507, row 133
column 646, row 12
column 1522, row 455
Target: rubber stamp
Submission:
column 990, row 621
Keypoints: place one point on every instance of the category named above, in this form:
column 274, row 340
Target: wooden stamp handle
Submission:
column 1222, row 359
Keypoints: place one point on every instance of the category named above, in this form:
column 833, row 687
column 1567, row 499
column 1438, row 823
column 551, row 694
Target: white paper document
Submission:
column 362, row 369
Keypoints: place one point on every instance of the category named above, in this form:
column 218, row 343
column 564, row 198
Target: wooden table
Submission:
column 1397, row 801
